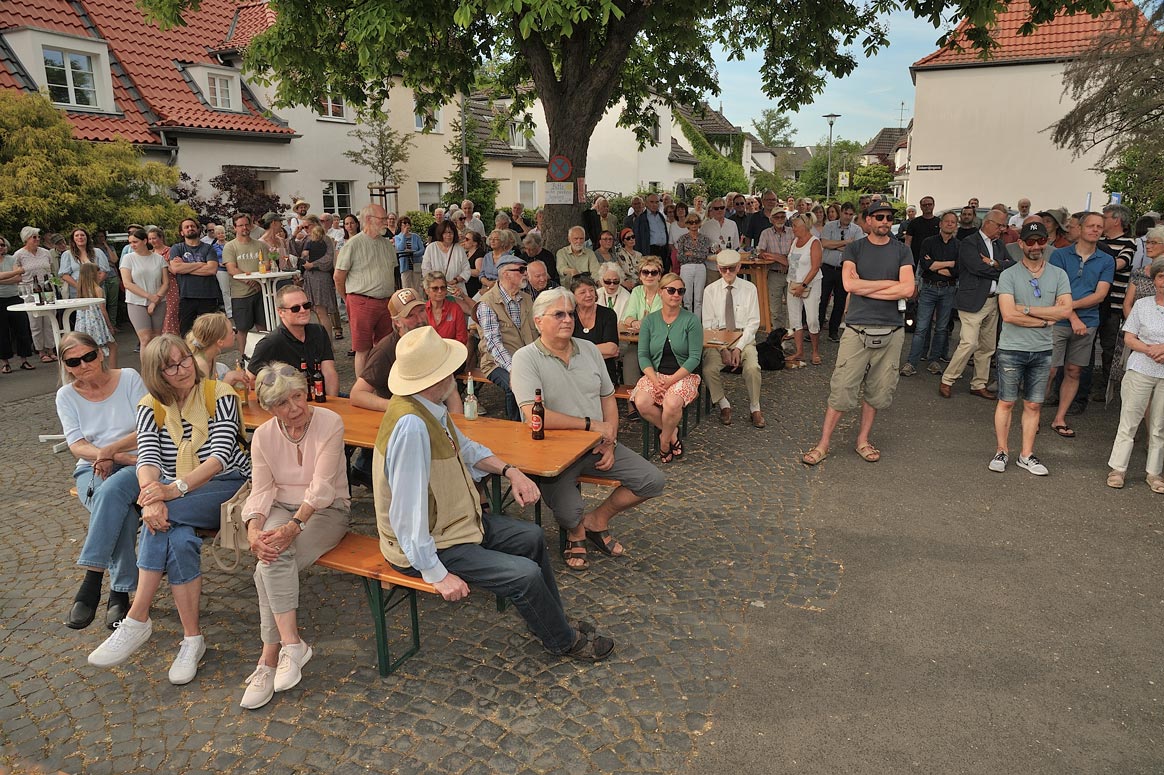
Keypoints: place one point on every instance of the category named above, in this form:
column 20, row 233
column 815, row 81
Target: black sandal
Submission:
column 5, row 369
column 604, row 542
column 666, row 456
column 677, row 448
column 27, row 366
column 572, row 552
column 591, row 648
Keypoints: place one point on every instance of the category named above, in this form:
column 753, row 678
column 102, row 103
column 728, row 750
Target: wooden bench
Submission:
column 650, row 441
column 201, row 532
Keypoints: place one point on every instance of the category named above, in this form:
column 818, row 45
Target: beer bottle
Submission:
column 240, row 385
column 470, row 401
column 317, row 392
column 50, row 292
column 37, row 291
column 537, row 417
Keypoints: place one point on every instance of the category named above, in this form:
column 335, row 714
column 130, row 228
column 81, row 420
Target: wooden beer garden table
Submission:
column 509, row 440
column 759, row 275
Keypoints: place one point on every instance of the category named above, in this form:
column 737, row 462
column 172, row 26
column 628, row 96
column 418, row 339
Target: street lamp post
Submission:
column 831, row 117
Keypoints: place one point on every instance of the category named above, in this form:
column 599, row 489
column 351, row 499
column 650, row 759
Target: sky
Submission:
column 867, row 100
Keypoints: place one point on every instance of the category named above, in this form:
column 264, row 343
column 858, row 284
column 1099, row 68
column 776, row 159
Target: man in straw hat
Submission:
column 428, row 513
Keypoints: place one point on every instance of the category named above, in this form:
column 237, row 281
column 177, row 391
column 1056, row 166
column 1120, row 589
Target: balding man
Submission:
column 365, row 278
column 576, row 258
column 473, row 221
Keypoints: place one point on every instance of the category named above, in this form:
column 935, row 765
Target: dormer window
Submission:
column 218, row 92
column 517, row 139
column 70, row 78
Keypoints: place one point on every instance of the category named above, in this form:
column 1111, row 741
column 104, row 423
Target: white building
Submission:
column 980, row 128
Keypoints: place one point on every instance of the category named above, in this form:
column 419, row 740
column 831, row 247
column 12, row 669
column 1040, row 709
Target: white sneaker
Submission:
column 185, row 665
column 1033, row 465
column 999, row 461
column 127, row 637
column 291, row 661
column 260, row 688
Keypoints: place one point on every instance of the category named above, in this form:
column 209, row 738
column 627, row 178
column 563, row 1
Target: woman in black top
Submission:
column 594, row 323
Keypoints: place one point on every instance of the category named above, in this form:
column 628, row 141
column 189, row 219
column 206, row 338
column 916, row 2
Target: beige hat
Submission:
column 303, row 202
column 727, row 257
column 424, row 358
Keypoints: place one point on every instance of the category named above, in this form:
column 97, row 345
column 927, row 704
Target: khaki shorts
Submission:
column 875, row 369
column 1076, row 350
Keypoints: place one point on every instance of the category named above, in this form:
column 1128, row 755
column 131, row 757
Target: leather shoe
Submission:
column 945, row 390
column 114, row 613
column 758, row 420
column 725, row 415
column 984, row 393
column 80, row 615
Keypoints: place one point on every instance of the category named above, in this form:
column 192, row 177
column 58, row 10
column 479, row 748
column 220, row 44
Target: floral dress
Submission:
column 91, row 321
column 171, row 324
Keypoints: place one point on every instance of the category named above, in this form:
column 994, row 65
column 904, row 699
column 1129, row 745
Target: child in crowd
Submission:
column 94, row 320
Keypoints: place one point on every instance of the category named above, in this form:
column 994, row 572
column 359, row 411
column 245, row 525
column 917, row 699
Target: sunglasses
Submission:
column 1035, row 285
column 675, row 291
column 275, row 372
column 1036, row 240
column 610, row 282
column 719, row 207
column 88, row 357
column 631, row 238
column 649, row 272
column 518, row 269
column 438, row 288
column 174, row 368
column 693, row 223
column 560, row 315
column 733, row 268
column 881, row 217
column 297, row 307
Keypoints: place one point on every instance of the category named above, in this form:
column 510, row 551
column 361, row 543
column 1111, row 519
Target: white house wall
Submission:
column 996, row 149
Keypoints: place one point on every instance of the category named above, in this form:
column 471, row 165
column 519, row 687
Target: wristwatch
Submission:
column 1046, row 323
column 1026, row 310
column 183, row 488
column 506, row 468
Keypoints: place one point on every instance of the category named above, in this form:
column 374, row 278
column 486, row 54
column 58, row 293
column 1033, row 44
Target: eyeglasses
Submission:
column 610, row 282
column 1036, row 240
column 1153, row 242
column 649, row 272
column 297, row 307
column 438, row 288
column 174, row 368
column 88, row 357
column 732, row 268
column 278, row 371
column 719, row 207
column 881, row 217
column 1035, row 285
column 675, row 291
column 560, row 315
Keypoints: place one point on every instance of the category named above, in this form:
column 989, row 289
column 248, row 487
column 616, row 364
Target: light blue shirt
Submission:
column 408, row 465
column 658, row 225
column 101, row 422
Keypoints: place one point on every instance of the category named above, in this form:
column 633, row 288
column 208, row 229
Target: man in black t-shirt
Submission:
column 967, row 223
column 921, row 228
column 296, row 340
column 195, row 265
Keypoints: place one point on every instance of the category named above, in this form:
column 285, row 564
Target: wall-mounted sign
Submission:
column 927, row 167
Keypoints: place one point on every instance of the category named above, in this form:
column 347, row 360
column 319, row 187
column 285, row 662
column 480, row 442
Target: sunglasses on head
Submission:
column 1036, row 240
column 88, row 357
column 649, row 272
column 675, row 291
column 278, row 371
column 297, row 307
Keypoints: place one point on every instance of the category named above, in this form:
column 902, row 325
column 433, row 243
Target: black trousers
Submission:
column 832, row 287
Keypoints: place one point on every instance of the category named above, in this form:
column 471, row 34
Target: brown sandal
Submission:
column 814, row 456
column 869, row 453
column 576, row 551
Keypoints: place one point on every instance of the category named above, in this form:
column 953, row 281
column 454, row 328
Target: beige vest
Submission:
column 512, row 337
column 454, row 511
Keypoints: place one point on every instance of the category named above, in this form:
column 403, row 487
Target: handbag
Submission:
column 232, row 531
column 875, row 338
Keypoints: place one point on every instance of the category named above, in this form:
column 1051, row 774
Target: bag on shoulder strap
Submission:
column 232, row 531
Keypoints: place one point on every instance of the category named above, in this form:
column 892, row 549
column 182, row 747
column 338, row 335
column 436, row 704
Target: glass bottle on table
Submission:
column 240, row 385
column 470, row 401
column 316, row 384
column 537, row 417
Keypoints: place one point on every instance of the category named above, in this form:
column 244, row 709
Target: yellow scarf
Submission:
column 195, row 412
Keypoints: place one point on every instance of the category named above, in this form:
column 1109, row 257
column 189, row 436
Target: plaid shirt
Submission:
column 491, row 327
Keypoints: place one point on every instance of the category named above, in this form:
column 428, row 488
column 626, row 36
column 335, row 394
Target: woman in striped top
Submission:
column 189, row 463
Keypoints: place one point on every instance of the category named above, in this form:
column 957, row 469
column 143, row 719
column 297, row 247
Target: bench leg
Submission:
column 381, row 607
column 497, row 501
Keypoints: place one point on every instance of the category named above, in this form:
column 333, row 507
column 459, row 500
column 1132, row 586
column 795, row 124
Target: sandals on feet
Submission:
column 27, row 366
column 666, row 455
column 47, row 359
column 576, row 552
column 606, row 543
column 338, row 334
column 1064, row 431
column 5, row 369
column 814, row 456
column 677, row 448
column 869, row 453
column 1156, row 482
column 816, row 360
column 1115, row 480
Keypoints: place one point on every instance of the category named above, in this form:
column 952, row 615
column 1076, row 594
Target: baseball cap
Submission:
column 1033, row 229
column 403, row 301
column 879, row 206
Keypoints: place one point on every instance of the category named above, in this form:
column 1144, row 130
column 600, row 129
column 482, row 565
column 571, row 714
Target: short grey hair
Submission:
column 550, row 298
column 506, row 237
column 533, row 240
column 275, row 383
column 1121, row 212
column 576, row 230
column 502, row 217
column 1156, row 268
column 1156, row 234
column 608, row 267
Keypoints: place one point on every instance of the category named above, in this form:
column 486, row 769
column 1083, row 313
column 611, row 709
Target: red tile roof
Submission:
column 1062, row 38
column 249, row 20
column 152, row 91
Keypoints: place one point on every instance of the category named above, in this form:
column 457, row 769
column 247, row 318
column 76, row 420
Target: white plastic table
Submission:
column 267, row 281
column 50, row 311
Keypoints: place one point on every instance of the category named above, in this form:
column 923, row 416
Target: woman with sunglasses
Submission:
column 189, row 463
column 628, row 258
column 611, row 292
column 670, row 349
column 98, row 412
column 644, row 299
column 298, row 509
column 693, row 250
column 594, row 322
column 442, row 310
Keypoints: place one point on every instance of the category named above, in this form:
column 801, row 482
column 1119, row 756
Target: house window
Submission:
column 517, row 137
column 656, row 131
column 333, row 107
column 527, row 193
column 337, row 196
column 218, row 92
column 429, row 195
column 419, row 119
column 70, row 78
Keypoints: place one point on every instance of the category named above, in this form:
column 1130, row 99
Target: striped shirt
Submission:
column 156, row 448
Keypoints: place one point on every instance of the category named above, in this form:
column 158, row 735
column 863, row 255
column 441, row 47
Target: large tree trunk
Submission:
column 569, row 137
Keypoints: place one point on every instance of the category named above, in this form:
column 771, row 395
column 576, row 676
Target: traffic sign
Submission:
column 560, row 168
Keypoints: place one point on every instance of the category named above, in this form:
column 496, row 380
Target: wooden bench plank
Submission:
column 360, row 555
column 601, row 481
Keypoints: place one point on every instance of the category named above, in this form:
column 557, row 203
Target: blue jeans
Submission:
column 1028, row 371
column 113, row 521
column 500, row 378
column 512, row 561
column 929, row 299
column 178, row 551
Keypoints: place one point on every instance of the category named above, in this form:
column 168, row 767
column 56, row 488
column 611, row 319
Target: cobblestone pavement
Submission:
column 480, row 697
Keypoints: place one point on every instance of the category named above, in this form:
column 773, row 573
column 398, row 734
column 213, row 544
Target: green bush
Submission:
column 421, row 220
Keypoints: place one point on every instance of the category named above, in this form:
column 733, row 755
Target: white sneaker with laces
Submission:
column 260, row 687
column 998, row 462
column 1033, row 465
column 292, row 658
column 127, row 637
column 185, row 665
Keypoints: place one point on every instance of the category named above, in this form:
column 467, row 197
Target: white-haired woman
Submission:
column 804, row 281
column 298, row 510
column 611, row 293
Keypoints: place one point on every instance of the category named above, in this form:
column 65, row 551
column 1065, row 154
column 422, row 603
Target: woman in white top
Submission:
column 444, row 254
column 146, row 281
column 804, row 288
column 81, row 251
column 611, row 293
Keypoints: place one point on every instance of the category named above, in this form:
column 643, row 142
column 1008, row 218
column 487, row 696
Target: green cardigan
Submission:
column 686, row 335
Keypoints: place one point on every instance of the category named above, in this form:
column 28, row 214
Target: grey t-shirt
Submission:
column 876, row 262
column 1016, row 281
column 576, row 390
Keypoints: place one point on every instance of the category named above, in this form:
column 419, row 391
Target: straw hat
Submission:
column 423, row 358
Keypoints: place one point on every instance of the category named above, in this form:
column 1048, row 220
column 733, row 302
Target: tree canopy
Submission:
column 846, row 156
column 55, row 181
column 774, row 129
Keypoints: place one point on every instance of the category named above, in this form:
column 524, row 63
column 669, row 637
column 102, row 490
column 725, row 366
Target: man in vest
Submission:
column 505, row 316
column 428, row 514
